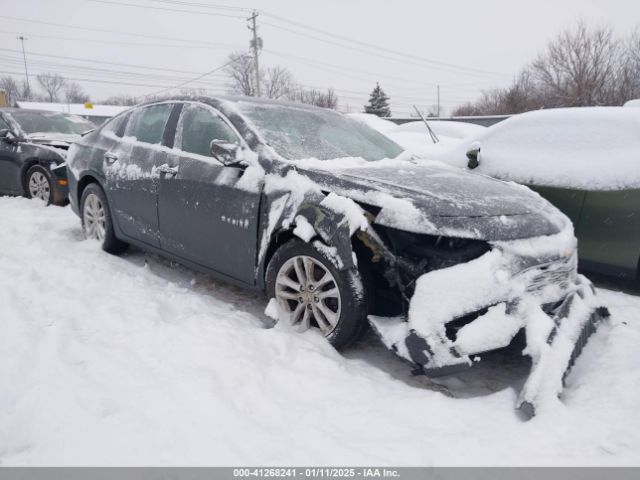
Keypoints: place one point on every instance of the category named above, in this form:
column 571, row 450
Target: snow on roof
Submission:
column 75, row 108
column 592, row 148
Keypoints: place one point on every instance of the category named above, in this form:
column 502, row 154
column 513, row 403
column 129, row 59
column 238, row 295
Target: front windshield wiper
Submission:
column 432, row 134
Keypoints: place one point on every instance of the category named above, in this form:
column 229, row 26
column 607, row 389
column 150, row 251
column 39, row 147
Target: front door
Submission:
column 131, row 173
column 9, row 164
column 205, row 216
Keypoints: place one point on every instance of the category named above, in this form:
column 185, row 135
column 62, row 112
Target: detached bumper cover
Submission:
column 517, row 285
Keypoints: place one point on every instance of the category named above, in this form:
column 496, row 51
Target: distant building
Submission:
column 98, row 114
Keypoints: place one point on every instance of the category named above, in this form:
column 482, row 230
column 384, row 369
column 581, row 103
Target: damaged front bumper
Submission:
column 458, row 312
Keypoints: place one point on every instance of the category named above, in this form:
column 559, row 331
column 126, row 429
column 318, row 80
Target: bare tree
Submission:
column 12, row 90
column 278, row 82
column 74, row 93
column 241, row 72
column 581, row 67
column 122, row 99
column 315, row 97
column 578, row 68
column 52, row 84
column 193, row 92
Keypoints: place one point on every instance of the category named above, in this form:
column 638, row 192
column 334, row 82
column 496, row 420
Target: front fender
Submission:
column 333, row 230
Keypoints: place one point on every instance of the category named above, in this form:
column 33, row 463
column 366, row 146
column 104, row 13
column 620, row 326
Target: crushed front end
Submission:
column 461, row 302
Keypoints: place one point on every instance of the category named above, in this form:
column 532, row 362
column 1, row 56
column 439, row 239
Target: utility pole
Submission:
column 255, row 43
column 438, row 109
column 24, row 56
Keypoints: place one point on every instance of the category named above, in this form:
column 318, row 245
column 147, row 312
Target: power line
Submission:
column 377, row 48
column 206, row 5
column 190, row 81
column 122, row 4
column 102, row 30
column 117, row 42
column 383, row 49
column 91, row 60
column 62, row 67
column 374, row 54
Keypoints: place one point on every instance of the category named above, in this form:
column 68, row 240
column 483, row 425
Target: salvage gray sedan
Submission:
column 340, row 228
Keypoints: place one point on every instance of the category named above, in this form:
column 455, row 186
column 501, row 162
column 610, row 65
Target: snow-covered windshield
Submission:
column 51, row 122
column 300, row 133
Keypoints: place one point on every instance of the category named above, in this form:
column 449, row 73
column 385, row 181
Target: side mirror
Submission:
column 474, row 158
column 7, row 135
column 225, row 152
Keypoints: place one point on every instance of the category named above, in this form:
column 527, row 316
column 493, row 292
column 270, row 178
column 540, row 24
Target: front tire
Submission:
column 314, row 293
column 39, row 184
column 96, row 219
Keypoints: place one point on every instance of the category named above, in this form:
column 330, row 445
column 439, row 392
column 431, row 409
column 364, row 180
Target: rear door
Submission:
column 609, row 232
column 206, row 215
column 568, row 201
column 131, row 172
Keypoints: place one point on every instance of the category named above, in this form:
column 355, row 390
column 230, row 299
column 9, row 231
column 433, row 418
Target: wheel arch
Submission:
column 26, row 166
column 83, row 182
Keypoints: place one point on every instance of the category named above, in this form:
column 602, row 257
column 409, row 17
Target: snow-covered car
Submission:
column 33, row 147
column 583, row 160
column 337, row 224
column 414, row 136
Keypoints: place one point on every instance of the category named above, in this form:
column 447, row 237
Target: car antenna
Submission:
column 432, row 134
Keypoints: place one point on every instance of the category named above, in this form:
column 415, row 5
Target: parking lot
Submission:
column 134, row 360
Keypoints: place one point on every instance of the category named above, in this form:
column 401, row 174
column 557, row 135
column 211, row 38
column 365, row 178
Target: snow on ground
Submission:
column 133, row 360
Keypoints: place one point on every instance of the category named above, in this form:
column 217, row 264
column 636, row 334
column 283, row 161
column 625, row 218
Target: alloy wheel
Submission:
column 94, row 218
column 39, row 186
column 307, row 290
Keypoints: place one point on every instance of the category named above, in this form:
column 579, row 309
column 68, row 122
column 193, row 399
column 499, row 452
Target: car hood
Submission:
column 53, row 139
column 441, row 200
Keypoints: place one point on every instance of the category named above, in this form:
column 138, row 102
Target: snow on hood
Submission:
column 436, row 199
column 593, row 148
column 53, row 139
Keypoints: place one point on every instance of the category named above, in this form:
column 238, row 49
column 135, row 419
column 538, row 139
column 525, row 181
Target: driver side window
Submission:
column 198, row 127
column 4, row 125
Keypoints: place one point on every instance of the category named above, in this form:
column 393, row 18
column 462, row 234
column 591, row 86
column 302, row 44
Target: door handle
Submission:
column 168, row 170
column 110, row 157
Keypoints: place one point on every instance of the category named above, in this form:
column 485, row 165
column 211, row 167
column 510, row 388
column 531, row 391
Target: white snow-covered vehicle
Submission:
column 339, row 226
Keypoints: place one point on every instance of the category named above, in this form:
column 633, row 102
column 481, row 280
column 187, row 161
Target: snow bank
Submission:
column 633, row 103
column 444, row 128
column 133, row 360
column 373, row 121
column 593, row 148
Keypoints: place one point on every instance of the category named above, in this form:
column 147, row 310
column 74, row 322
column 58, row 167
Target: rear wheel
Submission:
column 314, row 293
column 96, row 219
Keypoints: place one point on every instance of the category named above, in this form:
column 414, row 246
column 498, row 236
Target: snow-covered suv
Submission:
column 339, row 226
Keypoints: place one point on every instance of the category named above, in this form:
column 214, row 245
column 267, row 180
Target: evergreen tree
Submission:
column 378, row 103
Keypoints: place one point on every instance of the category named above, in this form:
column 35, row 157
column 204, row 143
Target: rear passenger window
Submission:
column 147, row 124
column 198, row 127
column 113, row 127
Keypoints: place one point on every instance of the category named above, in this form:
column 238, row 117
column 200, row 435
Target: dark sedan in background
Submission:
column 33, row 147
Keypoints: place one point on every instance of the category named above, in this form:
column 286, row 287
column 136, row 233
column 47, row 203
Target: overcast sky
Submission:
column 462, row 45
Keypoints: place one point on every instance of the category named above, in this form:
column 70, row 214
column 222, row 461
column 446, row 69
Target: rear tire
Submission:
column 332, row 300
column 96, row 218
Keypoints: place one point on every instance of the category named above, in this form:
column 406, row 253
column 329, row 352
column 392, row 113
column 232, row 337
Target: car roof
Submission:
column 212, row 99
